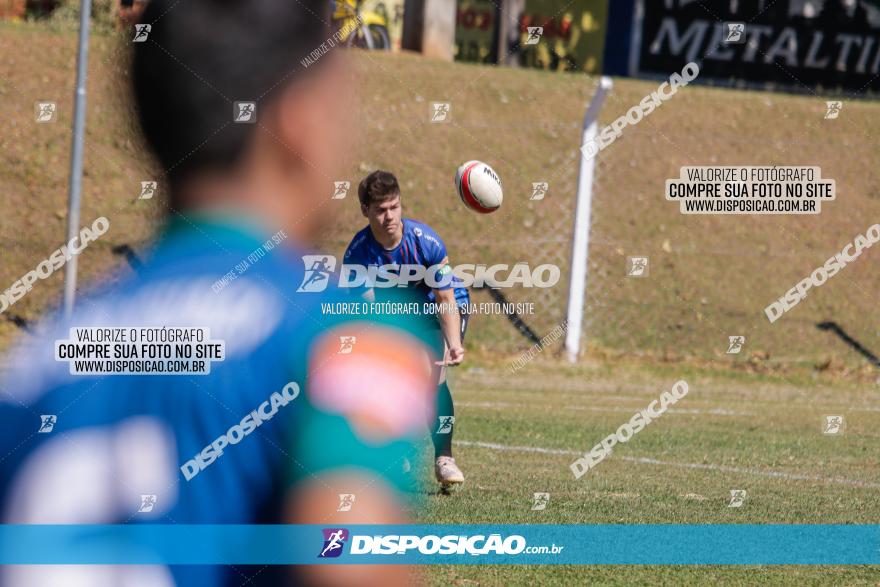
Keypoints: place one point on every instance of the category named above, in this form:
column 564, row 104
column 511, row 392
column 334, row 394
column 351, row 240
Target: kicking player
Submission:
column 147, row 448
column 390, row 238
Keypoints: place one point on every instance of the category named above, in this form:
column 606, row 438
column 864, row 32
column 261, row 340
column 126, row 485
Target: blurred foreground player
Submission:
column 131, row 448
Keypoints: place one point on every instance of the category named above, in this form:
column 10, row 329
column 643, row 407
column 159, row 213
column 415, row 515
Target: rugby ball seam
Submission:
column 466, row 194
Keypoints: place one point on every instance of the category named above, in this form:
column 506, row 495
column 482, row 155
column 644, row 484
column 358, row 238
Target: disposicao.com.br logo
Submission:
column 334, row 540
column 320, row 270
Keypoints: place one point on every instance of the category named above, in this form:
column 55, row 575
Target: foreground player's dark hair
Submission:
column 200, row 57
column 378, row 186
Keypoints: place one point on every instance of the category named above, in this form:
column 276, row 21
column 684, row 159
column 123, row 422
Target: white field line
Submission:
column 824, row 408
column 713, row 411
column 700, row 466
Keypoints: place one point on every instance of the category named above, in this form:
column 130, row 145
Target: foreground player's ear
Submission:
column 315, row 121
column 365, row 211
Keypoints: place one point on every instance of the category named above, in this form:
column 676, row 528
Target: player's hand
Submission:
column 454, row 357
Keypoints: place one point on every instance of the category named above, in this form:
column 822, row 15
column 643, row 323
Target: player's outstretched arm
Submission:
column 311, row 502
column 363, row 414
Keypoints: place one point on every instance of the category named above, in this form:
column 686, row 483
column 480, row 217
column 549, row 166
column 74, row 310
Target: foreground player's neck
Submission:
column 388, row 241
column 271, row 206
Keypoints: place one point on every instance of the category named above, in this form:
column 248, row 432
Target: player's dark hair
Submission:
column 200, row 57
column 377, row 187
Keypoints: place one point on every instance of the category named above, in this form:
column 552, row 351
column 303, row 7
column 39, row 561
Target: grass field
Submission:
column 517, row 435
column 751, row 421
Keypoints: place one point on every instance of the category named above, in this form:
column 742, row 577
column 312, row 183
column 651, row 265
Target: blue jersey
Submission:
column 420, row 245
column 131, row 448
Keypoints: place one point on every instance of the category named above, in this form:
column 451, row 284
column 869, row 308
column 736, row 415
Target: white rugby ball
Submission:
column 479, row 187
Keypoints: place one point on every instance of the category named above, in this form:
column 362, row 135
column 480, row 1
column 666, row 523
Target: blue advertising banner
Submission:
column 725, row 544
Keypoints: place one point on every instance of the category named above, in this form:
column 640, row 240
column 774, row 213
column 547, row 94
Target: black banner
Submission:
column 812, row 45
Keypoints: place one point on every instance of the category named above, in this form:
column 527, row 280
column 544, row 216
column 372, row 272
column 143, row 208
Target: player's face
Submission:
column 385, row 216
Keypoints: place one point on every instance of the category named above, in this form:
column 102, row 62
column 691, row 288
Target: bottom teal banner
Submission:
column 725, row 544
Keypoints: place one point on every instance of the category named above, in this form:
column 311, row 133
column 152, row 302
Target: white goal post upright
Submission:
column 76, row 152
column 577, row 285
